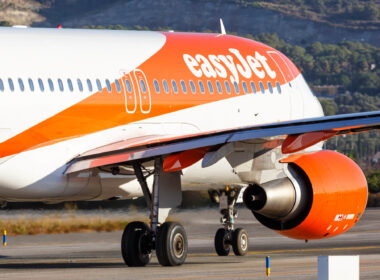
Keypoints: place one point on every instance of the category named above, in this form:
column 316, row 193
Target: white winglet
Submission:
column 222, row 29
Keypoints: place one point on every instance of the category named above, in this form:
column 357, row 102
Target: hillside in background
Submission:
column 356, row 14
column 20, row 12
column 298, row 22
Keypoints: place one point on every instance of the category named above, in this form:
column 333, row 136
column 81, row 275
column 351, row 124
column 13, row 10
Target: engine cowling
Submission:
column 325, row 195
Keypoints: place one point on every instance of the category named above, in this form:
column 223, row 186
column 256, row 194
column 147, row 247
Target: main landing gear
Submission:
column 168, row 238
column 228, row 237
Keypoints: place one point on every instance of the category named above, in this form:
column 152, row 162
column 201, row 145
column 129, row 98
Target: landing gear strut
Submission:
column 168, row 239
column 228, row 236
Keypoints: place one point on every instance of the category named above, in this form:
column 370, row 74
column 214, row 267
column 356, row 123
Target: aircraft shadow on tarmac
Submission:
column 60, row 265
column 81, row 265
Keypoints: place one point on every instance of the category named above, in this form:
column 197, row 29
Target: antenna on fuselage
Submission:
column 222, row 29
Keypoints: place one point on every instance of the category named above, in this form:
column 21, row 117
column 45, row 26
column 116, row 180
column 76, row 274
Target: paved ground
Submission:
column 97, row 255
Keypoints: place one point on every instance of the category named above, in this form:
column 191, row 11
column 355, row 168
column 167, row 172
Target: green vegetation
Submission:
column 357, row 14
column 373, row 180
column 363, row 146
column 349, row 65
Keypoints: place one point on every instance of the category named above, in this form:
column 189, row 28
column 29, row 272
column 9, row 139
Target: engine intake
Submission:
column 325, row 195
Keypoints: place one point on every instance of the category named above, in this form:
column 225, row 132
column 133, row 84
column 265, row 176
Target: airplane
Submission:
column 106, row 115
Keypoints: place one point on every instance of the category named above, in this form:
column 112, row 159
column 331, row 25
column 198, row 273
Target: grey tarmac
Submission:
column 97, row 255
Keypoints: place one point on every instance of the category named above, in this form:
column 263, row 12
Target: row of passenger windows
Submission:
column 70, row 84
column 210, row 86
column 143, row 87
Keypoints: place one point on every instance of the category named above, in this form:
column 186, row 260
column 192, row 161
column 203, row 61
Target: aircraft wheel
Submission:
column 240, row 242
column 135, row 244
column 222, row 245
column 171, row 244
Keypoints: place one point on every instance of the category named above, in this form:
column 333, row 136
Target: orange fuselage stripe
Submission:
column 104, row 110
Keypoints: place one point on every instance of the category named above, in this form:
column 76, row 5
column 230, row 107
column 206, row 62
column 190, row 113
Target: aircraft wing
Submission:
column 184, row 150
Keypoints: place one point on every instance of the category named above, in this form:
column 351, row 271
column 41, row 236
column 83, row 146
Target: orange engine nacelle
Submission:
column 326, row 196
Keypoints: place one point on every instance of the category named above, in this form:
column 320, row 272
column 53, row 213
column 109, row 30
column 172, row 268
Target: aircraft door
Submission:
column 129, row 93
column 144, row 92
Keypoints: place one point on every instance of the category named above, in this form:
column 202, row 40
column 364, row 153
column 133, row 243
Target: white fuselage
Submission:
column 36, row 173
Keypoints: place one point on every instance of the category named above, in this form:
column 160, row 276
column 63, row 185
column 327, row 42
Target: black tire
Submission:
column 171, row 244
column 222, row 246
column 240, row 242
column 134, row 244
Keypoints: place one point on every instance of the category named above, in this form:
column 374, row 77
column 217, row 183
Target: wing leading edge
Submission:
column 298, row 134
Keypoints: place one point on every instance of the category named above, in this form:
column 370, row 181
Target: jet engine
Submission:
column 324, row 195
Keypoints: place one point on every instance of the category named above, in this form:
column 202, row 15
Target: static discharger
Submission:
column 4, row 238
column 268, row 266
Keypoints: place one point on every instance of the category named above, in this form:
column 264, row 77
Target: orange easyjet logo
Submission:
column 230, row 65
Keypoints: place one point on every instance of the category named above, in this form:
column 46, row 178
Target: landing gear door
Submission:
column 144, row 92
column 129, row 93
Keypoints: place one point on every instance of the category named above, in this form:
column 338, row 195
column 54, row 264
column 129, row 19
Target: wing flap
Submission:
column 298, row 130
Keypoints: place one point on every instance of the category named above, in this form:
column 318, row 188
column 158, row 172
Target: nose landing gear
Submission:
column 228, row 237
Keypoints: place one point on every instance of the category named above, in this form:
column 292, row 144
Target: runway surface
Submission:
column 97, row 255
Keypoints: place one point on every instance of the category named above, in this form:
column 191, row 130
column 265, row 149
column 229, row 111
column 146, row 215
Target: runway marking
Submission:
column 256, row 274
column 295, row 250
column 229, row 276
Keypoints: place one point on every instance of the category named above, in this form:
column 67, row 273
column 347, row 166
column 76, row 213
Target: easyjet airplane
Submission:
column 104, row 115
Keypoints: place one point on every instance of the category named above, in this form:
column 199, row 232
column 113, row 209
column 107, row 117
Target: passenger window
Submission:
column 262, row 87
column 41, row 85
column 183, row 85
column 156, row 86
column 174, row 85
column 210, row 88
column 99, row 85
column 278, row 87
column 89, row 85
column 192, row 85
column 128, row 84
column 31, row 85
column 51, row 85
column 21, row 84
column 166, row 87
column 245, row 88
column 219, row 87
column 1, row 85
column 80, row 85
column 270, row 87
column 70, row 85
column 60, row 84
column 108, row 86
column 11, row 85
column 201, row 86
column 228, row 88
column 118, row 87
column 253, row 87
column 236, row 86
column 143, row 86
